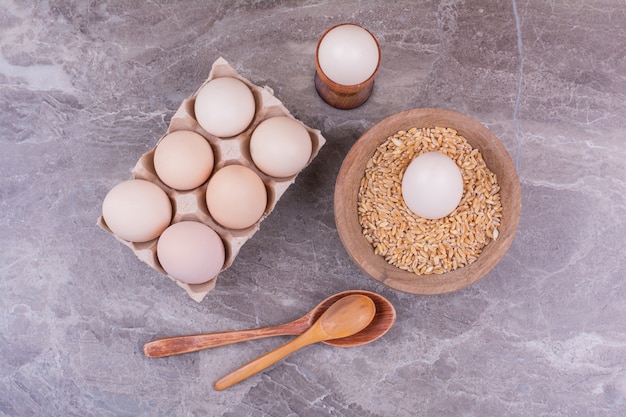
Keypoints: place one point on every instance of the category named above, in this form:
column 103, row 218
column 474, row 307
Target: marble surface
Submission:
column 87, row 87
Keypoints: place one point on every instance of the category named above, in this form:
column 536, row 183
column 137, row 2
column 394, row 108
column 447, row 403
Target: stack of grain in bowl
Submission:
column 427, row 201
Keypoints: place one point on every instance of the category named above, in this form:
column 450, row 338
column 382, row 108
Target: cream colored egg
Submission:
column 280, row 146
column 183, row 160
column 191, row 252
column 348, row 54
column 432, row 185
column 236, row 197
column 224, row 107
column 137, row 210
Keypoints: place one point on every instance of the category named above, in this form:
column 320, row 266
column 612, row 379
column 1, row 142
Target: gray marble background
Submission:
column 86, row 87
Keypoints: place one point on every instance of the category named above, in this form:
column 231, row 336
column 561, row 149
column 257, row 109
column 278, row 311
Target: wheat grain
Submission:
column 413, row 243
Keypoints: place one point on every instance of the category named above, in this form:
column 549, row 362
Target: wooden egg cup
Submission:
column 344, row 97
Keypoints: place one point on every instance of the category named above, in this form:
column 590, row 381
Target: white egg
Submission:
column 236, row 197
column 183, row 160
column 137, row 210
column 191, row 252
column 432, row 185
column 348, row 54
column 280, row 146
column 224, row 107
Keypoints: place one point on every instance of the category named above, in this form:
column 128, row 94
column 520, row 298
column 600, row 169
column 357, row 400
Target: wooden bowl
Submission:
column 353, row 169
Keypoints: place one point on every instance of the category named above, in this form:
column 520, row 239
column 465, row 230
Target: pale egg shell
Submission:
column 191, row 252
column 183, row 160
column 280, row 146
column 137, row 210
column 432, row 185
column 348, row 54
column 236, row 197
column 224, row 107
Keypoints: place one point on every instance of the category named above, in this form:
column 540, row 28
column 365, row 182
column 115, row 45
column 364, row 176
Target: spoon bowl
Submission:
column 381, row 323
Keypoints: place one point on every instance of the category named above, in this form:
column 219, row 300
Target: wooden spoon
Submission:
column 385, row 318
column 346, row 317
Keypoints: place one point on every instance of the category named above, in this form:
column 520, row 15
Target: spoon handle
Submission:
column 177, row 345
column 263, row 362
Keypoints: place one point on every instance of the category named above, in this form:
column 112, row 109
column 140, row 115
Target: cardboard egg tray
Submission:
column 191, row 205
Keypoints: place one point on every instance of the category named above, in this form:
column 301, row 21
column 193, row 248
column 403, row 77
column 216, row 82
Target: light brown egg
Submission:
column 137, row 210
column 183, row 160
column 236, row 197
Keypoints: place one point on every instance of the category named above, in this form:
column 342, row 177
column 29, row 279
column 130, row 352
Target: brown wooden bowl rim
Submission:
column 353, row 168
